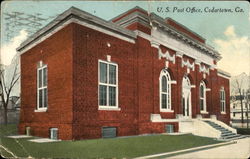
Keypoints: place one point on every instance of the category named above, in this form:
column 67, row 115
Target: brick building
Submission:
column 83, row 77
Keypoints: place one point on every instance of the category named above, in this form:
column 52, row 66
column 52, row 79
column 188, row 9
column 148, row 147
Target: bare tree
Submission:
column 238, row 84
column 6, row 87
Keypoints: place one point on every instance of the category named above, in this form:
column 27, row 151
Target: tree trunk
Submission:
column 5, row 115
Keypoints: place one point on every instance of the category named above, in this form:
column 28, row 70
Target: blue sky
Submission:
column 227, row 32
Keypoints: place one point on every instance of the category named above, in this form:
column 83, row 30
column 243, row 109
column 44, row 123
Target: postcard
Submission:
column 125, row 79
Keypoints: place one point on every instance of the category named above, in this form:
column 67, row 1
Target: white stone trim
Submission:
column 166, row 55
column 145, row 36
column 202, row 68
column 108, row 58
column 192, row 86
column 155, row 44
column 208, row 89
column 188, row 64
column 173, row 82
column 179, row 46
column 157, row 118
column 109, row 108
column 74, row 20
column 41, row 110
column 221, row 75
column 197, row 62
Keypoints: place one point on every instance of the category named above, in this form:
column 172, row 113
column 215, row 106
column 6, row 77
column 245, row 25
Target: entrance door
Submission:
column 186, row 97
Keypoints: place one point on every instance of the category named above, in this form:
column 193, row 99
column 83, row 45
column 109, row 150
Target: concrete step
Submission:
column 225, row 133
column 232, row 136
column 228, row 132
column 228, row 135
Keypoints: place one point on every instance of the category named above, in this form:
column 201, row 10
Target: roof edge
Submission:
column 73, row 12
column 224, row 73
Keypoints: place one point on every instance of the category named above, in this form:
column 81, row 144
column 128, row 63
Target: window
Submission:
column 42, row 91
column 54, row 133
column 108, row 84
column 109, row 132
column 165, row 91
column 234, row 114
column 203, row 107
column 222, row 101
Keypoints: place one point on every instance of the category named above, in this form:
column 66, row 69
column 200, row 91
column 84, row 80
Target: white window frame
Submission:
column 108, row 107
column 222, row 101
column 41, row 66
column 165, row 73
column 204, row 98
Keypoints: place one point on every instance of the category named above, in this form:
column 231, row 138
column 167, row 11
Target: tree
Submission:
column 239, row 89
column 6, row 86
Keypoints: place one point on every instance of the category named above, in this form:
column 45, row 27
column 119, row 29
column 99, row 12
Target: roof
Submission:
column 81, row 15
column 148, row 19
column 135, row 14
column 223, row 73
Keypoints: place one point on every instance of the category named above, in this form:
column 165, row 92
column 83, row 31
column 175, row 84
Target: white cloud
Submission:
column 235, row 51
column 230, row 31
column 8, row 50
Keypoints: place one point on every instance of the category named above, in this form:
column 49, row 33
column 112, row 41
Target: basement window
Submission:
column 109, row 132
column 54, row 133
column 169, row 128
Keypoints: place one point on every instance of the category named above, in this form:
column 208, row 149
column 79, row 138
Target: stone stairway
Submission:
column 225, row 133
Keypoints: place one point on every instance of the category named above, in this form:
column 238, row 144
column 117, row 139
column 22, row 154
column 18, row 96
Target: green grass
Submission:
column 128, row 147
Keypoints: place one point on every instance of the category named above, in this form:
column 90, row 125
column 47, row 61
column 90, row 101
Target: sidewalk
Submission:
column 239, row 150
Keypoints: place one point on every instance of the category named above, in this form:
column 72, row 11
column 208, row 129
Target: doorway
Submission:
column 186, row 97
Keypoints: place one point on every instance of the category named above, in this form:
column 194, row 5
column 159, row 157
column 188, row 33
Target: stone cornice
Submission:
column 159, row 23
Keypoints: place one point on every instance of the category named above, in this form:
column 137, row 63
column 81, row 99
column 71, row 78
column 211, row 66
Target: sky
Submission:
column 227, row 32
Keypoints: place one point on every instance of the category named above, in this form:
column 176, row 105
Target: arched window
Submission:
column 165, row 91
column 222, row 100
column 203, row 106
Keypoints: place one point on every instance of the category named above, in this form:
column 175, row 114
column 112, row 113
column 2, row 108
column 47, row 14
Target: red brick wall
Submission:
column 72, row 56
column 89, row 47
column 56, row 52
column 130, row 12
column 140, row 27
column 223, row 82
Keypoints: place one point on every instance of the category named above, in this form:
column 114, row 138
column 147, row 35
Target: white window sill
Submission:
column 223, row 112
column 109, row 108
column 41, row 110
column 204, row 112
column 167, row 110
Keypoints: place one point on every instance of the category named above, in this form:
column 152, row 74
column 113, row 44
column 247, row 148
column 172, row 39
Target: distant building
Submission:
column 236, row 115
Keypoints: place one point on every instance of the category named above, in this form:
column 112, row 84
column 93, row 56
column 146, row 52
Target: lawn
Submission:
column 127, row 147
